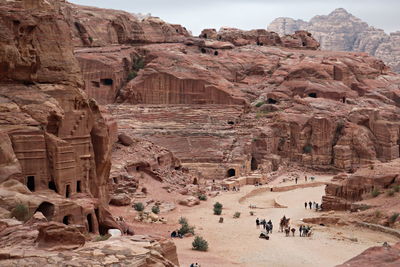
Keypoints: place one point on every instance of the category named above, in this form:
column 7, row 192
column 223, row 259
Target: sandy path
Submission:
column 235, row 242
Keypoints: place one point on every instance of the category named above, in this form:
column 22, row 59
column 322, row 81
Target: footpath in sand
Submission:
column 235, row 242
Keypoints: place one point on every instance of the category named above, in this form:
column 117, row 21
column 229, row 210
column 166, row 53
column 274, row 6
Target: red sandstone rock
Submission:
column 125, row 139
column 385, row 256
column 56, row 236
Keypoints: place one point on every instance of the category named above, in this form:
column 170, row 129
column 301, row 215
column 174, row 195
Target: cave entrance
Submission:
column 313, row 95
column 216, row 53
column 78, row 186
column 67, row 219
column 203, row 51
column 47, row 209
column 231, row 172
column 95, row 84
column 205, row 35
column 195, row 182
column 90, row 222
column 254, row 164
column 271, row 101
column 67, row 191
column 30, row 183
column 231, row 122
column 344, row 99
column 52, row 186
column 107, row 82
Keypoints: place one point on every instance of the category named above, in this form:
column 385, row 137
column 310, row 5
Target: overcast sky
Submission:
column 251, row 14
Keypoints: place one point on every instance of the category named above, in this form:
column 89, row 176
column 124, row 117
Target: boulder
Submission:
column 125, row 139
column 56, row 236
column 120, row 200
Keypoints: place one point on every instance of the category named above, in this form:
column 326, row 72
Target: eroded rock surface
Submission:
column 341, row 31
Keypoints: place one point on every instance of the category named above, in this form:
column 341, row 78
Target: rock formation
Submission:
column 385, row 256
column 341, row 31
column 55, row 144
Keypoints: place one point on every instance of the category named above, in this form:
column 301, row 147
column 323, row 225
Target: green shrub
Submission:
column 21, row 213
column 138, row 206
column 375, row 193
column 217, row 208
column 185, row 227
column 200, row 244
column 307, row 149
column 378, row 214
column 202, row 197
column 396, row 188
column 394, row 217
column 390, row 193
column 251, row 213
column 259, row 104
column 236, row 215
column 131, row 75
column 90, row 38
column 155, row 209
column 138, row 64
column 102, row 238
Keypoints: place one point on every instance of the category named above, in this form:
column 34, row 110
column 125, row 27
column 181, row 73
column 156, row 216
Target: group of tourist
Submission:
column 176, row 234
column 267, row 226
column 312, row 205
column 312, row 178
column 305, row 230
column 195, row 265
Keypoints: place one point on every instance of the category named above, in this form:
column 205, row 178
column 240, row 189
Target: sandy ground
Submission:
column 235, row 242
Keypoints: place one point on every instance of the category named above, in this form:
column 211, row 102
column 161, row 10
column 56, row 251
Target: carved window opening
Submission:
column 107, row 82
column 67, row 191
column 67, row 220
column 78, row 186
column 90, row 222
column 313, row 95
column 52, row 186
column 231, row 122
column 231, row 172
column 47, row 209
column 30, row 183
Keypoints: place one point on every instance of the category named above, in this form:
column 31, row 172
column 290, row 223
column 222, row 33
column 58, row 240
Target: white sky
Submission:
column 252, row 14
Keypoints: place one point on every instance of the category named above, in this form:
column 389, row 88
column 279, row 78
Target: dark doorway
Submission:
column 195, row 182
column 107, row 82
column 67, row 191
column 344, row 99
column 216, row 53
column 67, row 220
column 78, row 186
column 271, row 101
column 47, row 209
column 90, row 222
column 205, row 35
column 313, row 95
column 203, row 51
column 52, row 186
column 254, row 164
column 231, row 172
column 30, row 183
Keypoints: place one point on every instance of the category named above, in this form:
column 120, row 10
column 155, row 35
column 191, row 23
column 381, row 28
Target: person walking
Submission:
column 301, row 229
column 296, row 180
column 305, row 205
column 270, row 226
column 310, row 204
column 305, row 178
column 316, row 206
column 258, row 223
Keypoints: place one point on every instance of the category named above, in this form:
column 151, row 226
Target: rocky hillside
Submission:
column 341, row 31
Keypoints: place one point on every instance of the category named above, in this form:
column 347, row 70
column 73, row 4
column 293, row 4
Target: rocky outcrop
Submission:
column 341, row 31
column 55, row 155
column 386, row 256
column 344, row 190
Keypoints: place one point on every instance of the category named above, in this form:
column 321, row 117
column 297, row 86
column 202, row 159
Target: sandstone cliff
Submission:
column 55, row 144
column 341, row 31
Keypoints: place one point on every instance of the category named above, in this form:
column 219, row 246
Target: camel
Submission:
column 293, row 231
column 287, row 231
column 284, row 223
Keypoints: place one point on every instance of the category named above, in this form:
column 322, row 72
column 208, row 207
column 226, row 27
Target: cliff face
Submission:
column 341, row 31
column 54, row 139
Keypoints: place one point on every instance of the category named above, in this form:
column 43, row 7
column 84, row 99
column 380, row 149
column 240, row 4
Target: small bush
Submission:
column 102, row 238
column 91, row 39
column 202, row 197
column 251, row 213
column 307, row 149
column 375, row 193
column 200, row 244
column 155, row 209
column 396, row 188
column 236, row 215
column 138, row 206
column 217, row 208
column 378, row 214
column 138, row 64
column 21, row 213
column 185, row 227
column 371, row 167
column 394, row 217
column 390, row 193
column 259, row 104
column 131, row 75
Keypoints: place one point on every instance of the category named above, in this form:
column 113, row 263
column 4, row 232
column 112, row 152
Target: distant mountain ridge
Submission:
column 341, row 31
